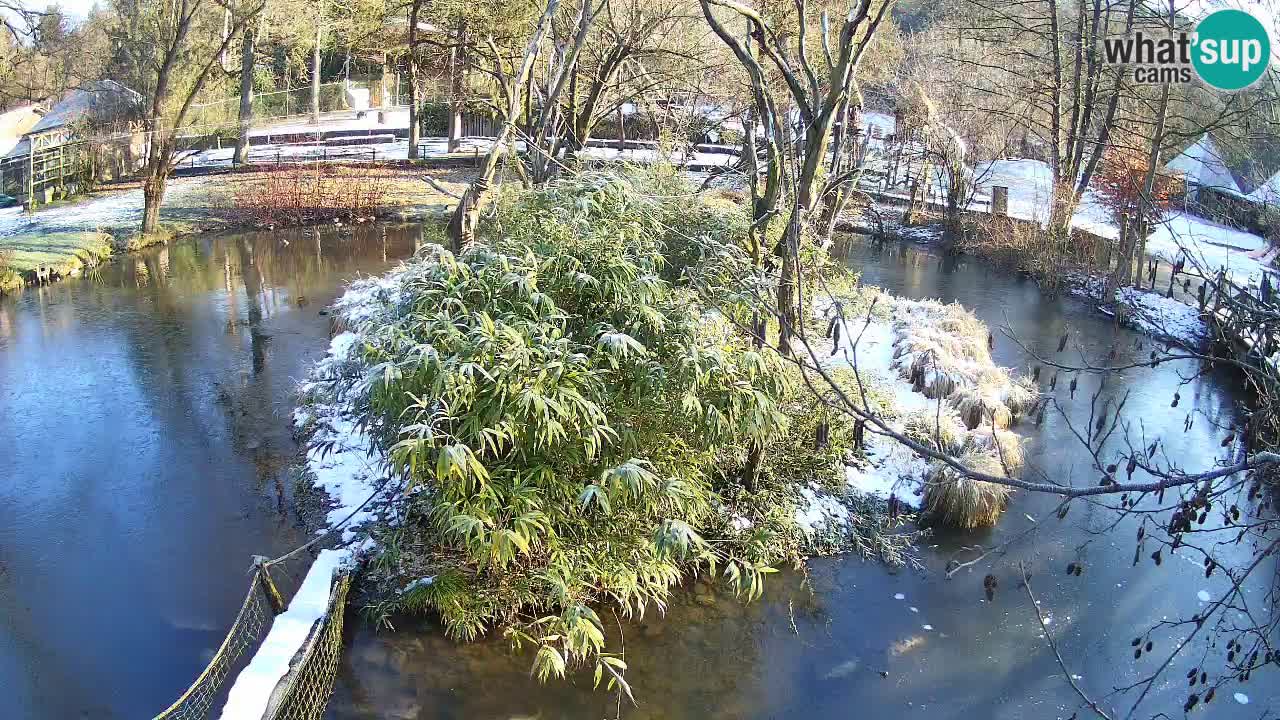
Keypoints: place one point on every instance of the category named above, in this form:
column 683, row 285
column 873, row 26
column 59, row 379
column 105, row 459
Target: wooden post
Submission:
column 1217, row 295
column 31, row 177
column 273, row 594
column 999, row 200
column 622, row 129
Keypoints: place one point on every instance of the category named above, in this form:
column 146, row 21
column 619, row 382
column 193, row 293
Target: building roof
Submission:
column 100, row 96
column 1268, row 193
column 1204, row 164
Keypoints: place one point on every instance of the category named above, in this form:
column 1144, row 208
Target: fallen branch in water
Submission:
column 1026, row 583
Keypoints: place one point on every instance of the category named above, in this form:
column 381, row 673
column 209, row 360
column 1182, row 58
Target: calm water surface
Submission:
column 145, row 455
column 834, row 642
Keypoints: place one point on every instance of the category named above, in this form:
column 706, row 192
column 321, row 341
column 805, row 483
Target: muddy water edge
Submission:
column 848, row 637
column 146, row 453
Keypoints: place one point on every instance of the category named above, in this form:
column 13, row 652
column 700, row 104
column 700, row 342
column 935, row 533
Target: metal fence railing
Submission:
column 304, row 692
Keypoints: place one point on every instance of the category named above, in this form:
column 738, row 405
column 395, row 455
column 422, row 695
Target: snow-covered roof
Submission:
column 101, row 95
column 105, row 98
column 1268, row 193
column 1205, row 165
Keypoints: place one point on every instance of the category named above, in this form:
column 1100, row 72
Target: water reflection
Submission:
column 834, row 642
column 145, row 454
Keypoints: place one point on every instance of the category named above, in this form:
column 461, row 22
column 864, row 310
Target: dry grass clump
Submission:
column 940, row 430
column 1005, row 446
column 954, row 500
column 982, row 406
column 1028, row 246
column 944, row 352
column 1020, row 396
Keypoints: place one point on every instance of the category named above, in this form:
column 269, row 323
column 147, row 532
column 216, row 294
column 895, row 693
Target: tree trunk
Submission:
column 414, row 131
column 466, row 216
column 1119, row 276
column 315, row 75
column 457, row 84
column 152, row 199
column 1147, row 208
column 241, row 156
column 787, row 288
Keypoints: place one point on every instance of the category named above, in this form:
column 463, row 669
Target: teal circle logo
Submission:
column 1232, row 49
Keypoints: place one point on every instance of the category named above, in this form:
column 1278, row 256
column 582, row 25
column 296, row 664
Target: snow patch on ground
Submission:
column 1161, row 316
column 107, row 211
column 1209, row 247
column 889, row 468
column 819, row 511
column 420, row 582
column 893, row 470
column 1030, row 184
column 1152, row 313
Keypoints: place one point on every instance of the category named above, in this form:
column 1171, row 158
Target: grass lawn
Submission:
column 64, row 252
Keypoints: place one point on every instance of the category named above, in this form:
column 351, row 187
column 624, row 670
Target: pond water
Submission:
column 145, row 455
column 835, row 642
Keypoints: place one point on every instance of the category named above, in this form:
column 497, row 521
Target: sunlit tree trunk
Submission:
column 414, row 131
column 457, row 85
column 466, row 216
column 315, row 66
column 246, row 93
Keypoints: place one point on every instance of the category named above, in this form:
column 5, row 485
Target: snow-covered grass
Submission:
column 1209, row 247
column 1150, row 312
column 1030, row 184
column 890, row 352
column 108, row 211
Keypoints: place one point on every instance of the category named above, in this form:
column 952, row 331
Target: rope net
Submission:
column 303, row 693
column 307, row 687
column 247, row 630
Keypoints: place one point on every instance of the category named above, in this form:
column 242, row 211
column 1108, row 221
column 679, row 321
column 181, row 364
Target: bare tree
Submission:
column 466, row 216
column 170, row 50
column 818, row 98
column 248, row 60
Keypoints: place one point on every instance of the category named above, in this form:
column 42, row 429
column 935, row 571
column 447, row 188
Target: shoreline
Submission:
column 1146, row 310
column 70, row 237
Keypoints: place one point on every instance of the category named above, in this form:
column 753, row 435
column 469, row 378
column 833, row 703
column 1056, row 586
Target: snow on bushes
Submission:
column 936, row 353
column 573, row 425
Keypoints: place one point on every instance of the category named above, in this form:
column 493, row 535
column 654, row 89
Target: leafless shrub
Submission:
column 308, row 194
column 1029, row 247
